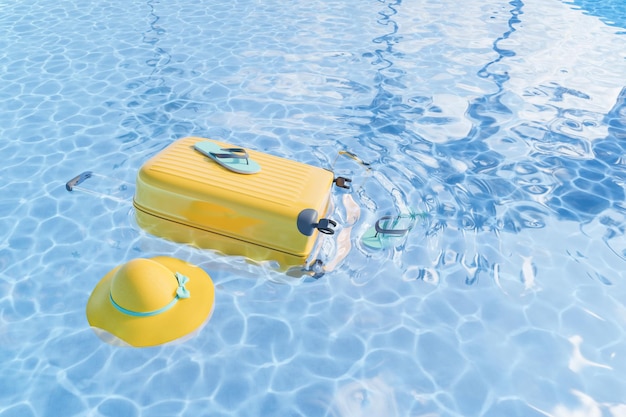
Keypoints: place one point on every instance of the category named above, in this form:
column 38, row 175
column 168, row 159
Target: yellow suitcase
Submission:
column 274, row 214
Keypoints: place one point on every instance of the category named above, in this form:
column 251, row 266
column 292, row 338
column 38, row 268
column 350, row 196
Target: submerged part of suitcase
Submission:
column 274, row 214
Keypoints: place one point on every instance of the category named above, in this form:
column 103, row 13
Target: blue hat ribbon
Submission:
column 181, row 292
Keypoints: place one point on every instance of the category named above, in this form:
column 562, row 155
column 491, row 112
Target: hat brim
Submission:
column 183, row 318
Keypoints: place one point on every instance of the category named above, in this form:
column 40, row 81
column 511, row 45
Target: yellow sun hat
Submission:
column 148, row 302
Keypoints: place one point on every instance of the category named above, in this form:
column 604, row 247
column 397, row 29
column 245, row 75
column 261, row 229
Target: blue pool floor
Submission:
column 503, row 123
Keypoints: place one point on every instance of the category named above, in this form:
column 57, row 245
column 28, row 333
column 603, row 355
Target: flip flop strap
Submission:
column 233, row 153
column 395, row 232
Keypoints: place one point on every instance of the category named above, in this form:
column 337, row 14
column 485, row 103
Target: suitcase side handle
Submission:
column 307, row 223
column 326, row 226
column 343, row 182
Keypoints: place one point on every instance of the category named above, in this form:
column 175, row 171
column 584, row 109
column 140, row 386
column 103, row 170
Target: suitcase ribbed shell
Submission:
column 184, row 196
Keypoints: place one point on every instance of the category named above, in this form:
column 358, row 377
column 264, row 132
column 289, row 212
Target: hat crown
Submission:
column 143, row 285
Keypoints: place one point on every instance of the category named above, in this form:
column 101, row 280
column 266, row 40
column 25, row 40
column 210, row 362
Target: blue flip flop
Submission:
column 234, row 159
column 386, row 232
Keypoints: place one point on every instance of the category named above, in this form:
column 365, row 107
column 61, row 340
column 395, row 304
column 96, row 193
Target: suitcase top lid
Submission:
column 183, row 184
column 279, row 182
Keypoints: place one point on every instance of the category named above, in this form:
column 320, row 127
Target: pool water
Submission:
column 502, row 125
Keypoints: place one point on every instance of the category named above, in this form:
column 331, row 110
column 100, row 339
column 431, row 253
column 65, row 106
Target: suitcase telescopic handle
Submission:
column 69, row 186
